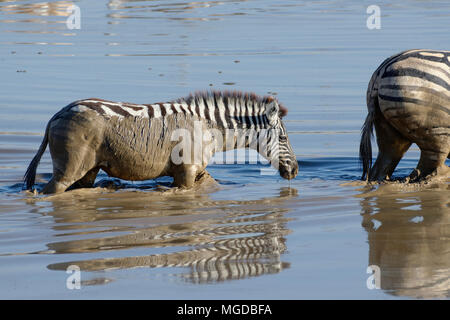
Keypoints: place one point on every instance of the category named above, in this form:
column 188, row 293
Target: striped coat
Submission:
column 408, row 101
column 136, row 141
column 210, row 258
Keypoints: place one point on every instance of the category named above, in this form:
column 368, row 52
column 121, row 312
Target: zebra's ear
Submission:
column 272, row 111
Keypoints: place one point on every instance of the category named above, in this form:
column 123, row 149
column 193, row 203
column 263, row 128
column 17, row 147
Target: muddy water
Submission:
column 247, row 235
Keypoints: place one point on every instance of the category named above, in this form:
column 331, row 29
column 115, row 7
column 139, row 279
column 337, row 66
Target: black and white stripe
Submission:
column 245, row 113
column 228, row 110
column 408, row 101
column 279, row 148
column 419, row 78
column 254, row 250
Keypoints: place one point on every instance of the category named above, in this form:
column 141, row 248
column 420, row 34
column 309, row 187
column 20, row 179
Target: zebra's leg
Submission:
column 55, row 185
column 203, row 175
column 68, row 179
column 391, row 148
column 431, row 164
column 87, row 181
column 70, row 164
column 186, row 176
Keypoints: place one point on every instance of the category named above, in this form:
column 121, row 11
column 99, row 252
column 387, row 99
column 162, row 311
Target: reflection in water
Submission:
column 164, row 6
column 214, row 240
column 409, row 239
column 42, row 13
column 126, row 9
column 54, row 8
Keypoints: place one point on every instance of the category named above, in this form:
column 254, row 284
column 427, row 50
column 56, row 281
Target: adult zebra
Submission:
column 408, row 101
column 136, row 142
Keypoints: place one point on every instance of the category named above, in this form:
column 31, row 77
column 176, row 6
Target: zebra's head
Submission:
column 280, row 153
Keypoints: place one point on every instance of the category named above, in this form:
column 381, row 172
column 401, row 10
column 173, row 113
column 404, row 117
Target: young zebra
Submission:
column 136, row 142
column 212, row 257
column 408, row 100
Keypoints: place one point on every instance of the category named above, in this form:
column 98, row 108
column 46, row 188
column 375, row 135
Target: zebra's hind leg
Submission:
column 391, row 148
column 69, row 167
column 68, row 180
column 87, row 181
column 431, row 165
column 55, row 185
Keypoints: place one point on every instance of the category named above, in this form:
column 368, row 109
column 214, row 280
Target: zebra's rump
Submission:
column 416, row 86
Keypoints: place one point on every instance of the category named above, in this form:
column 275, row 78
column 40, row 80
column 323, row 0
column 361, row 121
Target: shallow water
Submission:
column 250, row 235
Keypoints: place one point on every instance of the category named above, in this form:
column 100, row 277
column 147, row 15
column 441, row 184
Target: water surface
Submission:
column 250, row 236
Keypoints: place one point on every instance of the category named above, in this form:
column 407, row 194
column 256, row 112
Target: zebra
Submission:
column 408, row 101
column 215, row 253
column 135, row 141
column 413, row 258
column 216, row 261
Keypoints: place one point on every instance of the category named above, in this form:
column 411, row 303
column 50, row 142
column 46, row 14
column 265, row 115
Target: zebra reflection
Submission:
column 408, row 240
column 248, row 241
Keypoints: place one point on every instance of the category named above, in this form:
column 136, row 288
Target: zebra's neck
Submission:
column 228, row 111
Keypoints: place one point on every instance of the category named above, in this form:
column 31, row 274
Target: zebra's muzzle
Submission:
column 289, row 172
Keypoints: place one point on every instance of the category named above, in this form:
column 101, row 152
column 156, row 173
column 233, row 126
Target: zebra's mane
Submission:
column 232, row 97
column 227, row 108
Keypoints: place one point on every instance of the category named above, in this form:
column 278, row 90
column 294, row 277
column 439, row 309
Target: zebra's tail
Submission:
column 365, row 146
column 30, row 174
